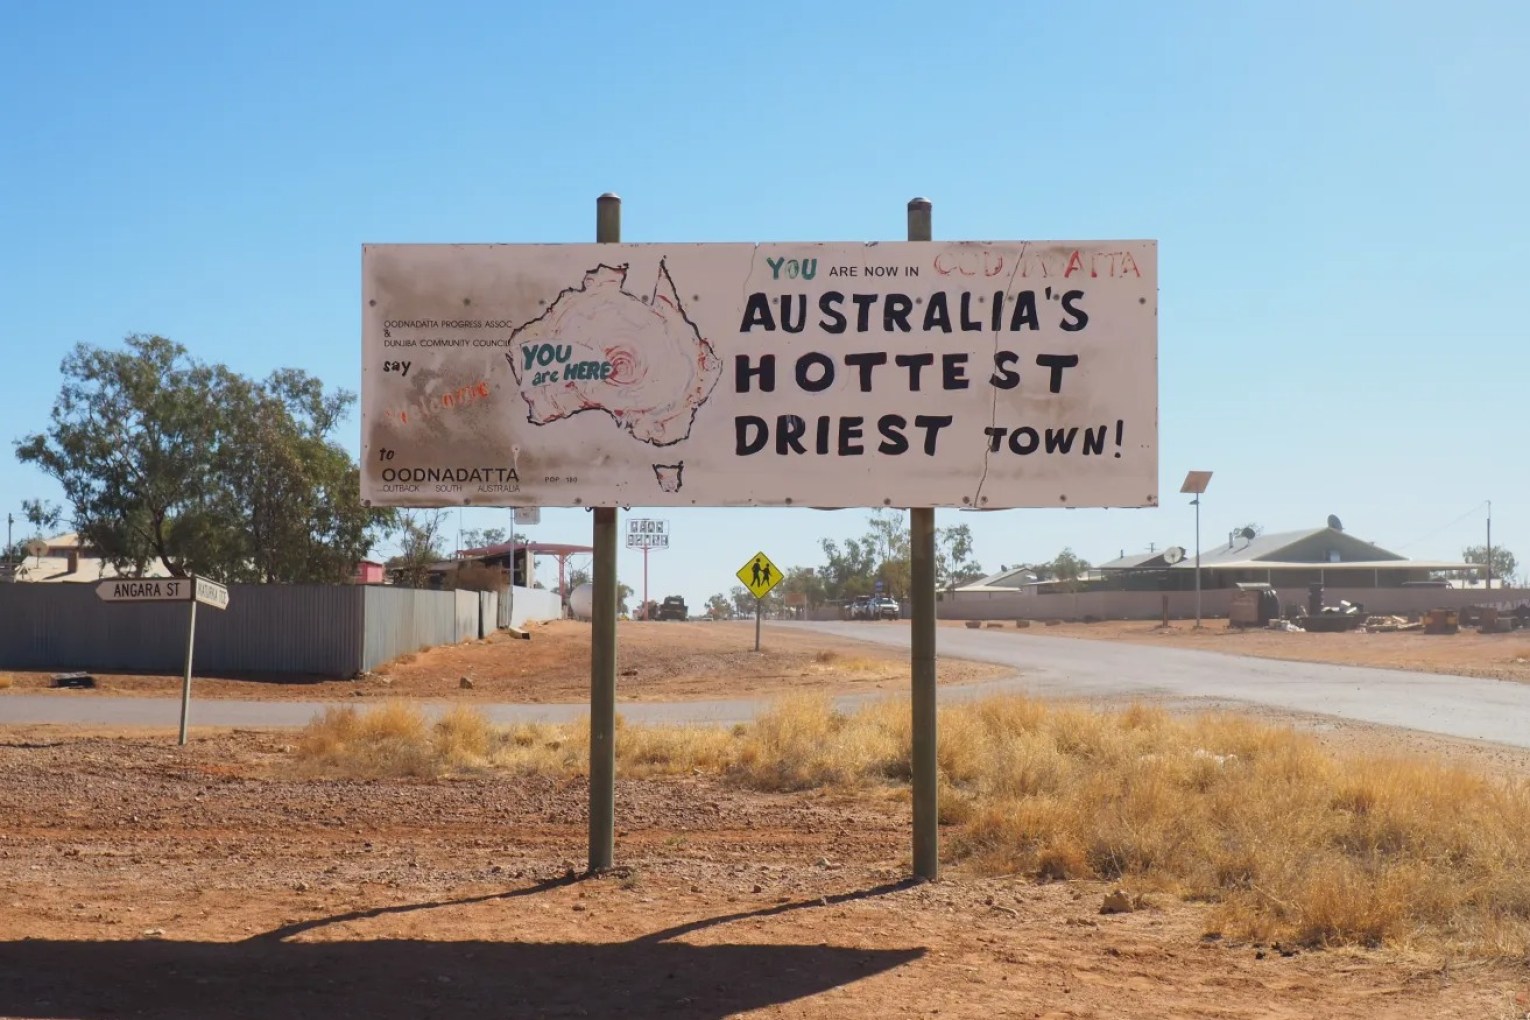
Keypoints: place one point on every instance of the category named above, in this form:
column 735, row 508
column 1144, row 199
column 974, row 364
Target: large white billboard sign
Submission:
column 971, row 374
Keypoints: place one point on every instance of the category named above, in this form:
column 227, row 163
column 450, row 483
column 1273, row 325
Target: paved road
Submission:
column 1492, row 710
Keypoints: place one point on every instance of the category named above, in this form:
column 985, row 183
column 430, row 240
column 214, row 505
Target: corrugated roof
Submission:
column 1264, row 551
column 1017, row 576
column 1242, row 564
column 1136, row 561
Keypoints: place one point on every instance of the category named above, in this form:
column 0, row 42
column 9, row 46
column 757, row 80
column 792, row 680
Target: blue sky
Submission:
column 1337, row 190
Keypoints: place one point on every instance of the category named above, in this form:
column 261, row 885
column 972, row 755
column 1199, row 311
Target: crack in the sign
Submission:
column 993, row 406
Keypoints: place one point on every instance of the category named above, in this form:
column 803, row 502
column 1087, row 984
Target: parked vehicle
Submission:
column 855, row 609
column 883, row 607
column 672, row 608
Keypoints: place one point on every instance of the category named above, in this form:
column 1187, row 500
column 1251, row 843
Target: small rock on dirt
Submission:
column 1117, row 902
column 466, row 683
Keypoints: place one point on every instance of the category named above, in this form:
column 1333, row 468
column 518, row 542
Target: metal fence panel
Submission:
column 304, row 629
column 488, row 613
column 466, row 608
column 403, row 620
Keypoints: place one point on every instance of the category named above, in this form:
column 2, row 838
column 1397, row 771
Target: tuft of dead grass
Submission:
column 1282, row 839
column 841, row 664
column 389, row 740
column 5, row 681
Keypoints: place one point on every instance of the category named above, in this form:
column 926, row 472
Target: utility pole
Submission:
column 1490, row 546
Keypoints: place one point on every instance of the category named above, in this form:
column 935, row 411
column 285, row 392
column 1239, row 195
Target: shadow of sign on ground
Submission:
column 270, row 975
column 388, row 979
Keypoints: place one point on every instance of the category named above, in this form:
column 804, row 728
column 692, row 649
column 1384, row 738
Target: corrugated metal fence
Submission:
column 267, row 628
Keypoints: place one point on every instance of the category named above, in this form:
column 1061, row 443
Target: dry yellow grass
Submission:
column 1285, row 840
column 5, row 681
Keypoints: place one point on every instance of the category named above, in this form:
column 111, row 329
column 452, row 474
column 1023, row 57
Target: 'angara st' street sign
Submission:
column 164, row 589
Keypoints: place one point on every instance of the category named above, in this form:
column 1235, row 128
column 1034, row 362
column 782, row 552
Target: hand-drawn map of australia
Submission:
column 600, row 347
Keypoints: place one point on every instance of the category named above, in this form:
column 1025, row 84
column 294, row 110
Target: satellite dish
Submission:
column 1173, row 554
column 1247, row 534
column 1335, row 523
column 36, row 547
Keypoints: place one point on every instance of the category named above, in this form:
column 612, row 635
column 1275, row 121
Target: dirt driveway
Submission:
column 212, row 882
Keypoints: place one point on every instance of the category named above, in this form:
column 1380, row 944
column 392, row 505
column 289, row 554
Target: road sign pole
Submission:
column 759, row 605
column 645, row 584
column 608, row 230
column 922, row 644
column 191, row 644
column 510, row 589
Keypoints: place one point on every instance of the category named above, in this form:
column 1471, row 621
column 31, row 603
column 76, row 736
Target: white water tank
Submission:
column 580, row 600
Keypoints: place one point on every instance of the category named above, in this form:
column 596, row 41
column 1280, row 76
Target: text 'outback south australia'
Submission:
column 973, row 374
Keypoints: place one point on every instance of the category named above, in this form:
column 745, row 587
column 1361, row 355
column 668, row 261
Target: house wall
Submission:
column 1145, row 605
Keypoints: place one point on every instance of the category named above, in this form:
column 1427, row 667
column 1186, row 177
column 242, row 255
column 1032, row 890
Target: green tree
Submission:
column 1504, row 564
column 1069, row 568
column 482, row 538
column 954, row 564
column 577, row 576
column 803, row 581
column 162, row 457
column 719, row 607
column 43, row 515
column 420, row 538
column 848, row 569
column 743, row 600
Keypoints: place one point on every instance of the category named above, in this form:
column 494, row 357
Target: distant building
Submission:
column 370, row 572
column 1294, row 559
column 67, row 558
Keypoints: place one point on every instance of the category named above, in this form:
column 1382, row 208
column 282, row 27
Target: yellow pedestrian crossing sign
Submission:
column 759, row 575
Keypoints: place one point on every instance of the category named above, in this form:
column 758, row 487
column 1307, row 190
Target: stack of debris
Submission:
column 1441, row 621
column 1490, row 620
column 1346, row 615
column 1390, row 624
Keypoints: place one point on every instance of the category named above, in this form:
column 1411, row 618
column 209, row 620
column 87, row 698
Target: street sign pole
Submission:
column 191, row 644
column 760, row 576
column 193, row 590
column 608, row 230
column 645, row 584
column 922, row 647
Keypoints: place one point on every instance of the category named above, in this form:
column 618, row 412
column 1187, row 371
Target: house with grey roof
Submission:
column 1327, row 555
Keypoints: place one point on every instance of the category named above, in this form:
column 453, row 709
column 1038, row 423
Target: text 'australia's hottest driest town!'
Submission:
column 972, row 375
column 834, row 513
